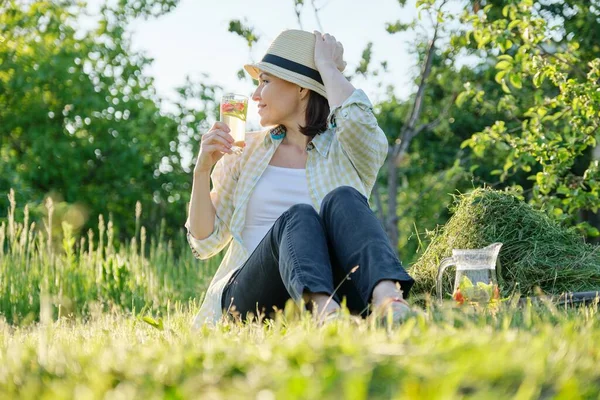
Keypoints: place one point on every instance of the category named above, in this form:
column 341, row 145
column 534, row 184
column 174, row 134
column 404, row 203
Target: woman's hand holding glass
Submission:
column 214, row 144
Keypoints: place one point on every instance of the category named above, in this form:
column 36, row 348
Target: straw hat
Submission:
column 291, row 57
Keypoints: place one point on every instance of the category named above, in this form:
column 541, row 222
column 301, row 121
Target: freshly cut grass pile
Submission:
column 537, row 250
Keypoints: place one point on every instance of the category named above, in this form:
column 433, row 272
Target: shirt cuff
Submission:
column 358, row 97
column 200, row 242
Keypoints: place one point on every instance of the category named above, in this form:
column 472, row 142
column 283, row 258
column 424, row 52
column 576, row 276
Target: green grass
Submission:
column 78, row 274
column 110, row 320
column 536, row 352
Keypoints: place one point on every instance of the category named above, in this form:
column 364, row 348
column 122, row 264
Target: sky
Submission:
column 193, row 39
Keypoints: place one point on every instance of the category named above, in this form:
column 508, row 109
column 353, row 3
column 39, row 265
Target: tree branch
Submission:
column 298, row 5
column 438, row 120
column 312, row 2
column 416, row 111
column 575, row 68
column 408, row 131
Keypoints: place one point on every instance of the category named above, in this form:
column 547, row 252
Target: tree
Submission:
column 549, row 105
column 82, row 123
column 414, row 124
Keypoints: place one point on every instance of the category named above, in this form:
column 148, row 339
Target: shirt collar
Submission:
column 321, row 142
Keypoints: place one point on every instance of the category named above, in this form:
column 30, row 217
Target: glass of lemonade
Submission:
column 234, row 108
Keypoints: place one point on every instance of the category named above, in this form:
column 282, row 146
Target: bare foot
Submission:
column 387, row 296
column 322, row 305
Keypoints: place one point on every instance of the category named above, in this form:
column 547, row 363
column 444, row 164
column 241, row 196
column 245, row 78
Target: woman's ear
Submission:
column 303, row 93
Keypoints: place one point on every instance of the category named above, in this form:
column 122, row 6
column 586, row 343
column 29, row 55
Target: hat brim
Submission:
column 254, row 71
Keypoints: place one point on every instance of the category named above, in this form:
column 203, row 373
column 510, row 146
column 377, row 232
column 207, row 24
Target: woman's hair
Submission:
column 317, row 112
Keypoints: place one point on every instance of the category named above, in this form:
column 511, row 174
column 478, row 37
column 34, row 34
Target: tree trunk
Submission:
column 391, row 223
column 408, row 132
column 377, row 196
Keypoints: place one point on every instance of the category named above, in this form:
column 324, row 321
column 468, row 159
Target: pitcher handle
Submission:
column 446, row 262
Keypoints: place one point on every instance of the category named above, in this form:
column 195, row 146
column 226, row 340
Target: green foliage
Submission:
column 366, row 59
column 81, row 123
column 434, row 166
column 398, row 26
column 246, row 32
column 549, row 121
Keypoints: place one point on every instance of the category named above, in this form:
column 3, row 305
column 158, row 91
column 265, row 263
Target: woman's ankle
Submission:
column 321, row 303
column 384, row 290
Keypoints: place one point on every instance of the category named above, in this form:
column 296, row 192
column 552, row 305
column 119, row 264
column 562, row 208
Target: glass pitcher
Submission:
column 478, row 265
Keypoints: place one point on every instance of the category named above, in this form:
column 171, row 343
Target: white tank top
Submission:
column 275, row 192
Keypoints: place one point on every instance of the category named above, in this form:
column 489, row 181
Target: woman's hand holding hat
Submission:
column 328, row 51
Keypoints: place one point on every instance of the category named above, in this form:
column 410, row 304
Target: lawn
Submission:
column 532, row 352
column 112, row 320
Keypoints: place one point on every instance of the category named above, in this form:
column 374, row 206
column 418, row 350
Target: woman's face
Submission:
column 279, row 101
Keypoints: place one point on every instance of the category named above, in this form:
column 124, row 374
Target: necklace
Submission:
column 278, row 132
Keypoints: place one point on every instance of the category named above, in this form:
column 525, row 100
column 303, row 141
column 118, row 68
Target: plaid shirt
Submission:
column 349, row 153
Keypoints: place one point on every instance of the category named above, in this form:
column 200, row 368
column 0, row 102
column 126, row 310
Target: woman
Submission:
column 295, row 201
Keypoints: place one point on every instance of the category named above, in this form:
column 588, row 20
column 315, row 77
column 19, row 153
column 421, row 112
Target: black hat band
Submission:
column 293, row 66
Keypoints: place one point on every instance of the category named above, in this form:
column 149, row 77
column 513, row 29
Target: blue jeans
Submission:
column 309, row 252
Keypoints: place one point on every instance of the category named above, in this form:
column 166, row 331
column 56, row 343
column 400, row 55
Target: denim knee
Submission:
column 301, row 209
column 339, row 193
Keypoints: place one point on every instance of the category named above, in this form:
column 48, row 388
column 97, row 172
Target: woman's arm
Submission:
column 215, row 207
column 351, row 113
column 202, row 210
column 329, row 60
column 337, row 86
